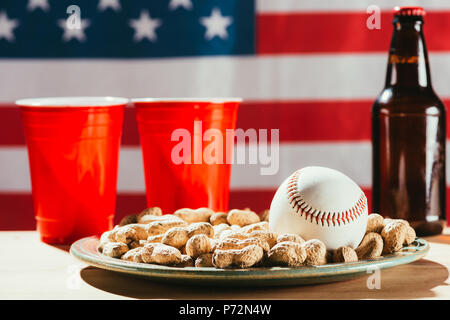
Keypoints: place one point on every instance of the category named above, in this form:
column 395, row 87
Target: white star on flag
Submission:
column 105, row 4
column 216, row 24
column 145, row 27
column 34, row 4
column 175, row 4
column 74, row 33
column 7, row 26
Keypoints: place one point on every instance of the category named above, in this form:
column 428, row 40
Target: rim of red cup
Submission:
column 210, row 100
column 72, row 102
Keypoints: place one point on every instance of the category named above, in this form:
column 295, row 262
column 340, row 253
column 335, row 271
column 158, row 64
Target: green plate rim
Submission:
column 85, row 250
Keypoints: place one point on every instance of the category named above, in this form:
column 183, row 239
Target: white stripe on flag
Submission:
column 341, row 156
column 299, row 77
column 354, row 159
column 278, row 6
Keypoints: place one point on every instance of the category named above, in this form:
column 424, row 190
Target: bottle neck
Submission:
column 408, row 58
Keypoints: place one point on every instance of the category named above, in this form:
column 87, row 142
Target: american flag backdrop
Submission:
column 311, row 69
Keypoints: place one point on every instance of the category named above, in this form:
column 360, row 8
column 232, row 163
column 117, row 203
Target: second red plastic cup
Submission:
column 73, row 148
column 187, row 150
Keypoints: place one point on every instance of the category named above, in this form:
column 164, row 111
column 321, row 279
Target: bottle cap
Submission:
column 409, row 11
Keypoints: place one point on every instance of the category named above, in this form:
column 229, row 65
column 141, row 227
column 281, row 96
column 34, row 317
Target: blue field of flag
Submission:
column 126, row 28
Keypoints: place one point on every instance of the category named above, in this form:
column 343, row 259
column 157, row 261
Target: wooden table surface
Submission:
column 30, row 269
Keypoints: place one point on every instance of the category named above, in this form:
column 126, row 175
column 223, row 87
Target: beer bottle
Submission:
column 408, row 133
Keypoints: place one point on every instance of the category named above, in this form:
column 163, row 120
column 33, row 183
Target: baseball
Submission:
column 320, row 203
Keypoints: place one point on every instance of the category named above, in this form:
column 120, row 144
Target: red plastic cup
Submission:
column 73, row 149
column 195, row 181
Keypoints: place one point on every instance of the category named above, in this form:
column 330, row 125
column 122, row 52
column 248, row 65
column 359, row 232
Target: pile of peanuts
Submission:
column 237, row 239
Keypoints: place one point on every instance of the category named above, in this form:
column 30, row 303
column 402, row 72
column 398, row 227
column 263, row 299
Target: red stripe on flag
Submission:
column 339, row 32
column 298, row 121
column 310, row 120
column 11, row 128
column 16, row 211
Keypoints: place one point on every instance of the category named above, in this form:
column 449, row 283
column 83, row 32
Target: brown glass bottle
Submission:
column 408, row 133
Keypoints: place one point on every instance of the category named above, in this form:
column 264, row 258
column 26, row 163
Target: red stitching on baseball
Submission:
column 330, row 218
